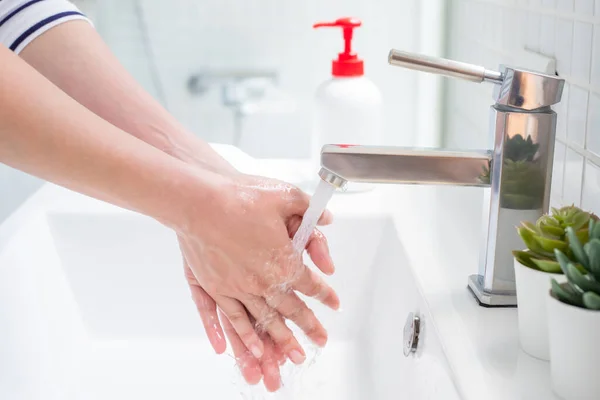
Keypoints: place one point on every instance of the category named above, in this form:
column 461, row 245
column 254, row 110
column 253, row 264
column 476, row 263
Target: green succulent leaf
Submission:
column 551, row 230
column 527, row 231
column 592, row 249
column 547, row 265
column 549, row 220
column 549, row 245
column 594, row 229
column 579, row 220
column 566, row 294
column 584, row 282
column 591, row 300
column 577, row 248
column 525, row 258
column 583, row 235
column 562, row 259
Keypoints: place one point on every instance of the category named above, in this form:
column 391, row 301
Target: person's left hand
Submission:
column 252, row 369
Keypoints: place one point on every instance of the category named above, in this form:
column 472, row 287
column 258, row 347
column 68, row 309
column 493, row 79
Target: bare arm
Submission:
column 87, row 70
column 90, row 74
column 46, row 133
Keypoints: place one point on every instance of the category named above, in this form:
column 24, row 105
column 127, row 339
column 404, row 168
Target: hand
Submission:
column 252, row 369
column 241, row 254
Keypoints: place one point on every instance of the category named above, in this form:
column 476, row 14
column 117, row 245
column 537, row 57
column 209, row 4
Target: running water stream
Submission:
column 318, row 203
column 292, row 375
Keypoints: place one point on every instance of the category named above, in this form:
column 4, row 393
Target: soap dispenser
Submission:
column 348, row 105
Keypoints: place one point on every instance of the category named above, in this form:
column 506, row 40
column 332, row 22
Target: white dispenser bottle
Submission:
column 348, row 106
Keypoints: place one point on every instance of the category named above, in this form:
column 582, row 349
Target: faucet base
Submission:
column 486, row 299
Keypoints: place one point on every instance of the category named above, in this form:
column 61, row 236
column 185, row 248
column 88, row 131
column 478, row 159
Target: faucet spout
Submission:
column 374, row 164
column 333, row 179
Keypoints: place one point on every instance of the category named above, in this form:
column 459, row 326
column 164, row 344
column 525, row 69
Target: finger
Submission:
column 311, row 284
column 326, row 218
column 270, row 321
column 294, row 222
column 293, row 308
column 238, row 316
column 280, row 355
column 207, row 308
column 270, row 365
column 248, row 364
column 318, row 250
column 296, row 201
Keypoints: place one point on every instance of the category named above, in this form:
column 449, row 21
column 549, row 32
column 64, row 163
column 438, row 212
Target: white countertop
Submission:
column 439, row 228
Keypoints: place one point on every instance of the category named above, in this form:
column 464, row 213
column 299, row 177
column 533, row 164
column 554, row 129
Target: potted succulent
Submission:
column 536, row 265
column 574, row 319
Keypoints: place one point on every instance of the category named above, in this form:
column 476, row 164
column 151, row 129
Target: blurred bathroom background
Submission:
column 245, row 72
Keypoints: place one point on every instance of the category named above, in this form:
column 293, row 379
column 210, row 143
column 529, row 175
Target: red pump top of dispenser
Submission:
column 347, row 63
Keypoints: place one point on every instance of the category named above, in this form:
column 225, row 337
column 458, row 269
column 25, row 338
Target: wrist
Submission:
column 185, row 146
column 195, row 197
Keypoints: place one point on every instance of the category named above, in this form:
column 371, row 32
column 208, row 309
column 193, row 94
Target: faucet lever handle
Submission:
column 442, row 66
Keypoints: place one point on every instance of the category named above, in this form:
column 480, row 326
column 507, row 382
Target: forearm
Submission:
column 46, row 133
column 89, row 72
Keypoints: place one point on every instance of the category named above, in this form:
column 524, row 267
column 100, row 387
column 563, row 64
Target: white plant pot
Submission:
column 574, row 350
column 532, row 290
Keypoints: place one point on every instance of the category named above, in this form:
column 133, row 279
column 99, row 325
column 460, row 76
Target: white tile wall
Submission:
column 563, row 43
column 591, row 188
column 565, row 29
column 573, row 177
column 593, row 141
column 585, row 7
column 582, row 51
column 596, row 55
column 558, row 168
column 576, row 115
column 564, row 5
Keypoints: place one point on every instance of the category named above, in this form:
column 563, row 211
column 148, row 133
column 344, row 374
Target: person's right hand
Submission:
column 240, row 252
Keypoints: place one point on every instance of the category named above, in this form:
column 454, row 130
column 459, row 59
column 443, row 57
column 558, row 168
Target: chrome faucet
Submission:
column 238, row 89
column 516, row 173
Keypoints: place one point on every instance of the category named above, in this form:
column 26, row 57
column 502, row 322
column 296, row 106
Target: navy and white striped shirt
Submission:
column 21, row 21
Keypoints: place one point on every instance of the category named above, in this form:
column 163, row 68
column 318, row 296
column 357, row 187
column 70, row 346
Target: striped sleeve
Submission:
column 21, row 21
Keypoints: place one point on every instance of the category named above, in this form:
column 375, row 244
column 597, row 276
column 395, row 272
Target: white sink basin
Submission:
column 93, row 305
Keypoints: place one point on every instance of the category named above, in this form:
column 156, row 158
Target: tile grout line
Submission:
column 569, row 78
column 591, row 156
column 583, row 172
column 572, row 15
column 564, row 167
column 587, row 106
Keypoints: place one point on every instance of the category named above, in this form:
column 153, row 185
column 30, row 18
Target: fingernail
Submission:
column 297, row 357
column 321, row 341
column 256, row 351
column 332, row 269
